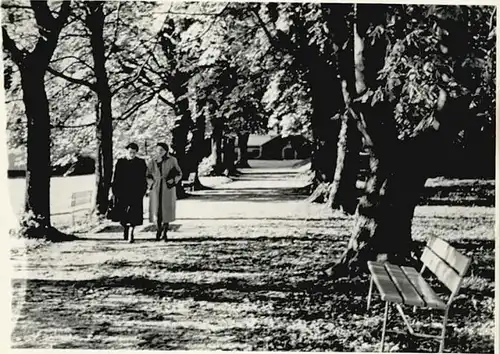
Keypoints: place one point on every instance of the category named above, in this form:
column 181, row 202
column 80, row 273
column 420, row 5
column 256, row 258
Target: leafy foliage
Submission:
column 436, row 53
column 252, row 63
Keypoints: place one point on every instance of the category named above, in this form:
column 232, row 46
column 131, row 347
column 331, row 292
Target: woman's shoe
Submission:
column 125, row 233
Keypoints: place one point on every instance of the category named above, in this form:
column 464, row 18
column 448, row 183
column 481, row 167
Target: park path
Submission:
column 229, row 244
column 254, row 199
column 230, row 278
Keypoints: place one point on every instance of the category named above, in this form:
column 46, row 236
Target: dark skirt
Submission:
column 129, row 210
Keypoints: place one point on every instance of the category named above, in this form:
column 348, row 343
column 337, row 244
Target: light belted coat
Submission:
column 162, row 197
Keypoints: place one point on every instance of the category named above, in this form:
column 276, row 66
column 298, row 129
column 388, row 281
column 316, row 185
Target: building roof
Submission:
column 259, row 140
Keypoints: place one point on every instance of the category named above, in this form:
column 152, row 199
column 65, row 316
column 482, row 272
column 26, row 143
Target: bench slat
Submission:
column 446, row 274
column 430, row 297
column 385, row 286
column 405, row 287
column 449, row 254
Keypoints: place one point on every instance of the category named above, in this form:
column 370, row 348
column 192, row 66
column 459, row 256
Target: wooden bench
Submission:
column 80, row 201
column 189, row 183
column 401, row 285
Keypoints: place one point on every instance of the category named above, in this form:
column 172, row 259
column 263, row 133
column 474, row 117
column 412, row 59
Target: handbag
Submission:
column 171, row 175
column 112, row 213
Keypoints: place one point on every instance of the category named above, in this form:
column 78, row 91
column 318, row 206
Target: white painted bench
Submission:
column 401, row 285
column 80, row 201
column 189, row 183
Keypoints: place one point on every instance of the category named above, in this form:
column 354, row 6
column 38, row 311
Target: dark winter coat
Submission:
column 129, row 186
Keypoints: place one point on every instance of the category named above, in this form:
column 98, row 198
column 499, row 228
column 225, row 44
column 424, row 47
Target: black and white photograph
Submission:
column 250, row 176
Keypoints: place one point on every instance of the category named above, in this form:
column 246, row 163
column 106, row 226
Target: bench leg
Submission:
column 443, row 333
column 386, row 314
column 369, row 299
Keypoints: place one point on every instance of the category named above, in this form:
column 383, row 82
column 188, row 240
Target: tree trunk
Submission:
column 229, row 156
column 182, row 125
column 243, row 147
column 327, row 102
column 32, row 67
column 325, row 132
column 104, row 124
column 385, row 212
column 217, row 146
column 37, row 197
column 343, row 192
column 197, row 147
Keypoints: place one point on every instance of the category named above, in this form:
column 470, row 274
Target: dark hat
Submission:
column 132, row 146
column 163, row 146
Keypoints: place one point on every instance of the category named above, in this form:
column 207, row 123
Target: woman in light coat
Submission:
column 163, row 175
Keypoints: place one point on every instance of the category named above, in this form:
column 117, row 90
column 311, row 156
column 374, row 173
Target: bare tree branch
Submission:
column 115, row 36
column 209, row 26
column 135, row 107
column 16, row 7
column 43, row 16
column 13, row 100
column 164, row 100
column 74, row 35
column 9, row 44
column 72, row 79
column 75, row 58
column 63, row 126
column 262, row 24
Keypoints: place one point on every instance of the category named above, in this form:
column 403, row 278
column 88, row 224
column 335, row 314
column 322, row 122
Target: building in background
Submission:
column 276, row 147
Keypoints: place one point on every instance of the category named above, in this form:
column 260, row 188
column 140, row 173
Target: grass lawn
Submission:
column 235, row 276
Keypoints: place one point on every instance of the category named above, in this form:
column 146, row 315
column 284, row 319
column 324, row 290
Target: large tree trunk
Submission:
column 182, row 125
column 38, row 170
column 325, row 131
column 243, row 148
column 217, row 135
column 385, row 212
column 104, row 124
column 229, row 156
column 343, row 192
column 32, row 66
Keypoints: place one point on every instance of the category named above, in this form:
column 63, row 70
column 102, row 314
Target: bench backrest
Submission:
column 447, row 264
column 81, row 198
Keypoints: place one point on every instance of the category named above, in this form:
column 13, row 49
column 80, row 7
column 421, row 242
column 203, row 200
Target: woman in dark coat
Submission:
column 129, row 186
column 163, row 175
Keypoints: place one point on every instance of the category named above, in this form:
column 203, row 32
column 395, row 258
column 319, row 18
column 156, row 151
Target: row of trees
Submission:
column 402, row 83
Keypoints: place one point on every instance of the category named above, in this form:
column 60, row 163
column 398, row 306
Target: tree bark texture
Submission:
column 326, row 99
column 104, row 122
column 217, row 133
column 38, row 166
column 197, row 146
column 385, row 210
column 243, row 148
column 343, row 192
column 229, row 156
column 183, row 122
column 32, row 66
